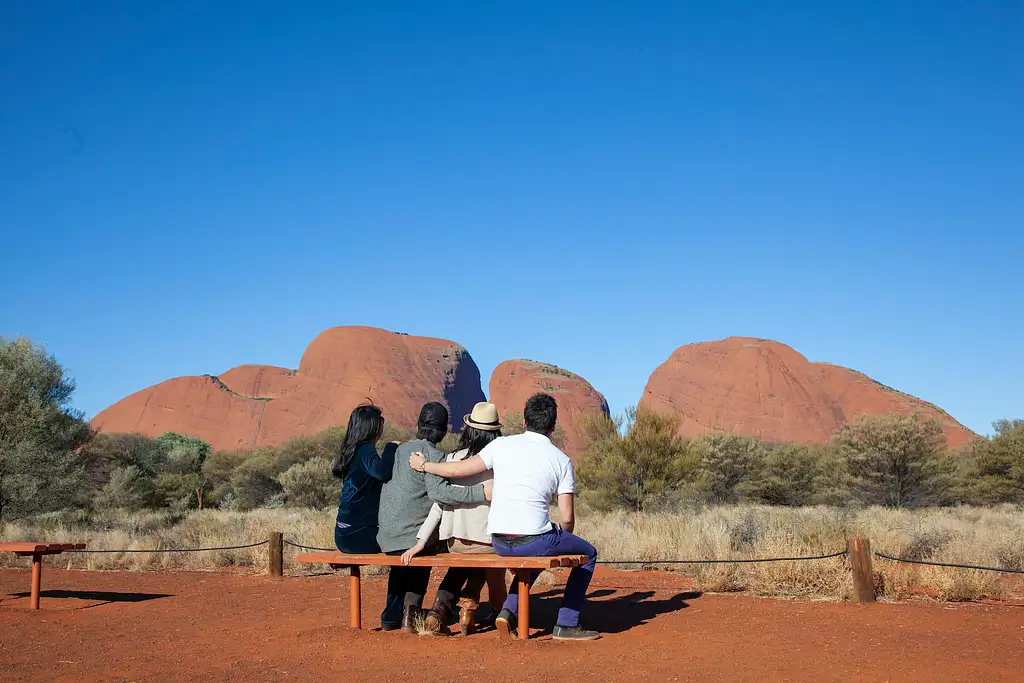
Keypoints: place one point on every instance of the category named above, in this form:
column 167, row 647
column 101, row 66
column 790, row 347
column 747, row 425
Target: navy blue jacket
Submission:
column 360, row 495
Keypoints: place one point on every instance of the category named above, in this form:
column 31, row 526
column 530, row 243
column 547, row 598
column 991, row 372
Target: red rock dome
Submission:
column 766, row 389
column 255, row 405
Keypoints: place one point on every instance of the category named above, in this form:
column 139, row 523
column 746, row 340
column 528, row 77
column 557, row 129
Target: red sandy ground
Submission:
column 229, row 626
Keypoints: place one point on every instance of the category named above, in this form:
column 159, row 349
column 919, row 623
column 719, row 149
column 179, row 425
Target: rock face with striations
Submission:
column 766, row 389
column 257, row 405
column 514, row 381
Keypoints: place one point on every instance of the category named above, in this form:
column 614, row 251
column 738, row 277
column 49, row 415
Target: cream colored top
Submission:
column 467, row 522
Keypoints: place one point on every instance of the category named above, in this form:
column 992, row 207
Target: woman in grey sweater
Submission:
column 463, row 528
column 405, row 502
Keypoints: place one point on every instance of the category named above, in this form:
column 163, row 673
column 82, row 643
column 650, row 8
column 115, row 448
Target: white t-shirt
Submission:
column 529, row 472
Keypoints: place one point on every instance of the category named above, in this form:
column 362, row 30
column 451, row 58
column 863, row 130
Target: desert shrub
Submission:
column 39, row 432
column 633, row 461
column 310, row 484
column 893, row 460
column 791, row 475
column 128, row 488
column 252, row 487
column 999, row 464
column 728, row 464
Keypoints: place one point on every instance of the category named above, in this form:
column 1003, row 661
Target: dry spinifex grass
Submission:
column 983, row 536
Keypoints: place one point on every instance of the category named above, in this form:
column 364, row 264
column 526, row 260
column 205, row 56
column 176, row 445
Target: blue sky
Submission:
column 191, row 187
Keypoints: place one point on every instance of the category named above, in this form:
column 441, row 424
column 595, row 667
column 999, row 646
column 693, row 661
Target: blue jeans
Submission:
column 555, row 542
column 357, row 540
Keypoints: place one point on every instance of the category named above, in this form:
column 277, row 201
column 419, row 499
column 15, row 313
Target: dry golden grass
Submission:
column 983, row 536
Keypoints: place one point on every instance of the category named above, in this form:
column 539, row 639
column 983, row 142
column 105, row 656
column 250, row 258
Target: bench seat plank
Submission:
column 341, row 559
column 37, row 551
column 23, row 547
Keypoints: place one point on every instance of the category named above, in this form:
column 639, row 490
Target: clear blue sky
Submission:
column 191, row 187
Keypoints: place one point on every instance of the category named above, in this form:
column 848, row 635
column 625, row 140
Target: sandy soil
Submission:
column 223, row 626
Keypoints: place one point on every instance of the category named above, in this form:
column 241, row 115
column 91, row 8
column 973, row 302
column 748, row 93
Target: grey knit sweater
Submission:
column 406, row 499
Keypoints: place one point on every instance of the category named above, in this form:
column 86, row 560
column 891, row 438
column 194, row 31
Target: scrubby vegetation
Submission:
column 646, row 493
column 639, row 462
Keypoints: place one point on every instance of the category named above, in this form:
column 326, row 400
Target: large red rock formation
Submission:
column 514, row 381
column 255, row 405
column 766, row 389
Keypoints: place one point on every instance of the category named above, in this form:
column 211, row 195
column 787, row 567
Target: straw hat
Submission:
column 484, row 416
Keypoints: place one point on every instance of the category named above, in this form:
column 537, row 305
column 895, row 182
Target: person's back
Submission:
column 363, row 471
column 406, row 499
column 360, row 494
column 529, row 472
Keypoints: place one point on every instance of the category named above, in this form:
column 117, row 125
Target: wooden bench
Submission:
column 522, row 567
column 36, row 551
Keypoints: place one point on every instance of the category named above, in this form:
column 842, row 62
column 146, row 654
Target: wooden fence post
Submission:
column 860, row 562
column 276, row 548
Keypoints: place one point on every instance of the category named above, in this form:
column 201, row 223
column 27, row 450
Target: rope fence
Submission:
column 732, row 561
column 858, row 550
column 309, row 547
column 949, row 564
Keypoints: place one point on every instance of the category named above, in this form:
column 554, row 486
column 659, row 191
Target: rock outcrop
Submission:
column 766, row 389
column 256, row 405
column 514, row 381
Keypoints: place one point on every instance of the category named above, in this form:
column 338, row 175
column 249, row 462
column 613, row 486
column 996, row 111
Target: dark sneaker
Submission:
column 574, row 633
column 390, row 625
column 506, row 623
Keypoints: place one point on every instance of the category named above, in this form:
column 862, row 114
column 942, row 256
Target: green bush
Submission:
column 39, row 432
column 728, row 465
column 633, row 461
column 127, row 489
column 310, row 484
column 893, row 460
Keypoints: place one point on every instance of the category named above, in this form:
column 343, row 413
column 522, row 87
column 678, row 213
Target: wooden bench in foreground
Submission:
column 522, row 567
column 36, row 551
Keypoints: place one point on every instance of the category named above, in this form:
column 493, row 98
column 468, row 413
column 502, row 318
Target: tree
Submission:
column 893, row 460
column 633, row 460
column 999, row 464
column 39, row 432
column 728, row 464
column 790, row 475
column 129, row 489
column 180, row 477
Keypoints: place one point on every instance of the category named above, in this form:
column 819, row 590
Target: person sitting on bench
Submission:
column 463, row 529
column 529, row 471
column 405, row 502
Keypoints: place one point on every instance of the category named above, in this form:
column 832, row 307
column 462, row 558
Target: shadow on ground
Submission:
column 615, row 615
column 100, row 597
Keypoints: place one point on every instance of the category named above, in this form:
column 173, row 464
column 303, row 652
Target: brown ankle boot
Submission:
column 437, row 619
column 410, row 615
column 467, row 615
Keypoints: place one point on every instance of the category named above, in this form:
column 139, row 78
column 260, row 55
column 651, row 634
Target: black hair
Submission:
column 540, row 414
column 432, row 425
column 474, row 440
column 365, row 426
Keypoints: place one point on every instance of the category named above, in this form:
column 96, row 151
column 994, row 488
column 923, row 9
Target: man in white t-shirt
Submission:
column 530, row 472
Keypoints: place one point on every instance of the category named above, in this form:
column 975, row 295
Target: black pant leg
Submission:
column 416, row 581
column 451, row 585
column 475, row 580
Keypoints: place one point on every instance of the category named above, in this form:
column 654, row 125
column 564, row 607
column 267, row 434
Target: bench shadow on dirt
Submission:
column 615, row 615
column 100, row 597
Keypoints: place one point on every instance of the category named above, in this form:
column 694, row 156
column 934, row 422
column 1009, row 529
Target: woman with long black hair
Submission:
column 364, row 472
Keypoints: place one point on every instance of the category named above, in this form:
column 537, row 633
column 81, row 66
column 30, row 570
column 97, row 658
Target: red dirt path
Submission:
column 225, row 626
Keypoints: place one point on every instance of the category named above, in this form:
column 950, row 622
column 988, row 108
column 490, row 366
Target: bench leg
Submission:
column 355, row 599
column 524, row 604
column 37, row 580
